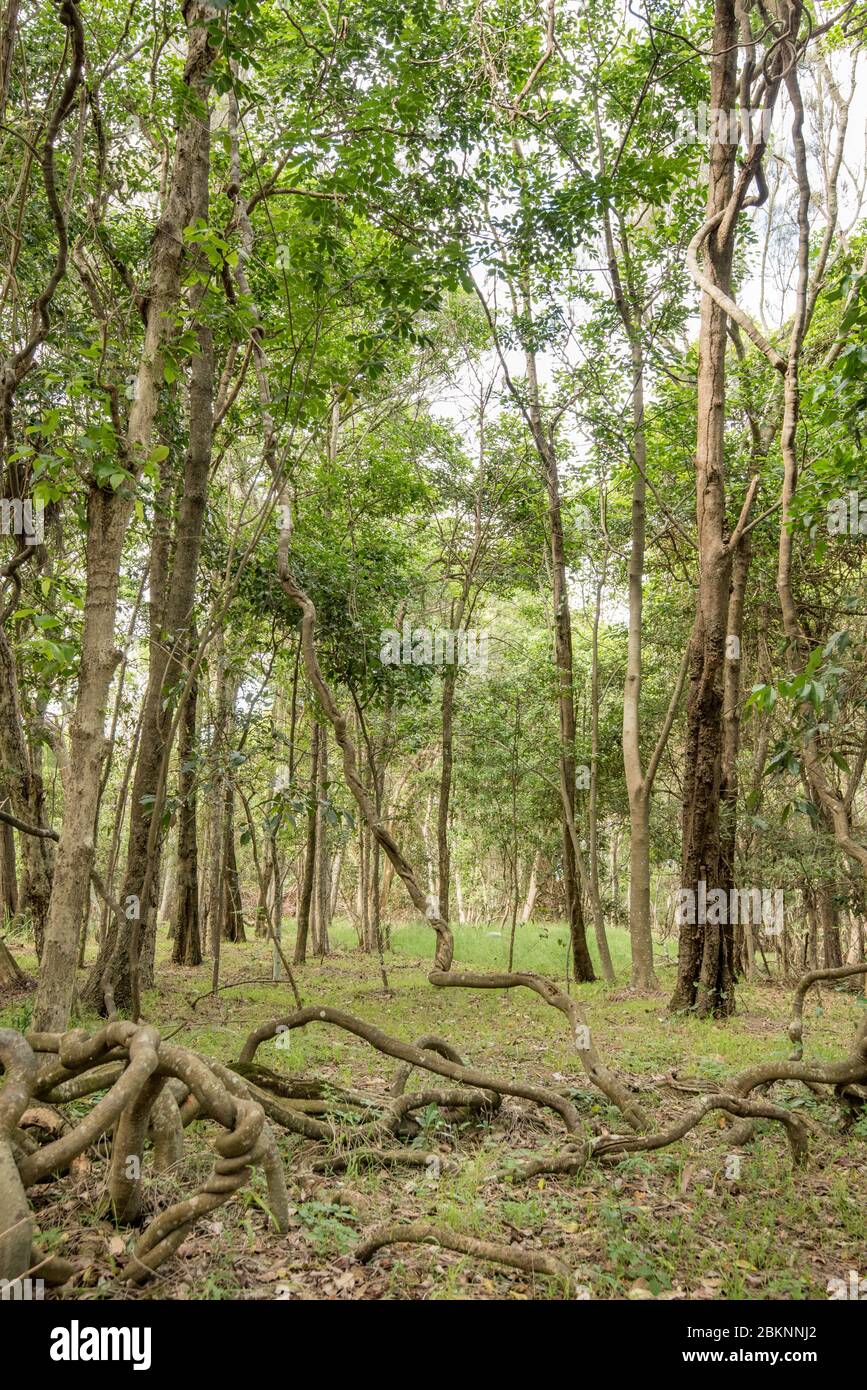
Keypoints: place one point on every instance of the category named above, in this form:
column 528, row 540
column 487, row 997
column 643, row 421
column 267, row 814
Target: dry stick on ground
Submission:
column 441, row 975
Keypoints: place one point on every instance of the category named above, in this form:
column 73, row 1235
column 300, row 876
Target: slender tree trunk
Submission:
column 266, row 889
column 269, row 889
column 829, row 920
column 320, row 874
column 187, row 946
column 532, row 888
column 23, row 784
column 811, row 940
column 582, row 965
column 361, row 893
column 459, row 894
column 233, row 912
column 220, row 742
column 306, row 892
column 638, row 786
column 443, row 850
column 166, row 915
column 643, row 973
column 593, row 829
column 335, row 883
column 732, row 723
column 639, row 782
column 857, row 943
column 428, row 854
column 8, row 875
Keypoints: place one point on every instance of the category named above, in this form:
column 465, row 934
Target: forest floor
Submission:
column 667, row 1224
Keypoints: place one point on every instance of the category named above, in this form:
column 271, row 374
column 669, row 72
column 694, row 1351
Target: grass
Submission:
column 665, row 1224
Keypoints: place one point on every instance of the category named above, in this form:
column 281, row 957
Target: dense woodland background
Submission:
column 330, row 328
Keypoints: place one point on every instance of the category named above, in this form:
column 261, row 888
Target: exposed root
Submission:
column 814, row 1078
column 602, row 1078
column 420, row 1233
column 142, row 1097
column 566, row 1164
column 16, row 1226
column 805, row 984
column 152, row 1090
column 847, row 1077
column 795, row 1128
column 426, row 1059
column 381, row 1158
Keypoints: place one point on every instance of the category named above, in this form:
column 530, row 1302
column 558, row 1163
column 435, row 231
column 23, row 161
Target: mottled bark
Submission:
column 705, row 979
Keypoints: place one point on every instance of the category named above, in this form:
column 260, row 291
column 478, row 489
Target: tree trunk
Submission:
column 705, row 979
column 335, row 884
column 269, row 890
column 166, row 913
column 108, row 515
column 233, row 912
column 266, row 888
column 220, row 740
column 23, row 784
column 593, row 829
column 582, row 965
column 443, row 852
column 638, row 787
column 639, row 783
column 306, row 893
column 532, row 889
column 643, row 976
column 829, row 921
column 12, row 977
column 8, row 876
column 173, row 570
column 187, row 945
column 732, row 727
column 321, row 896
